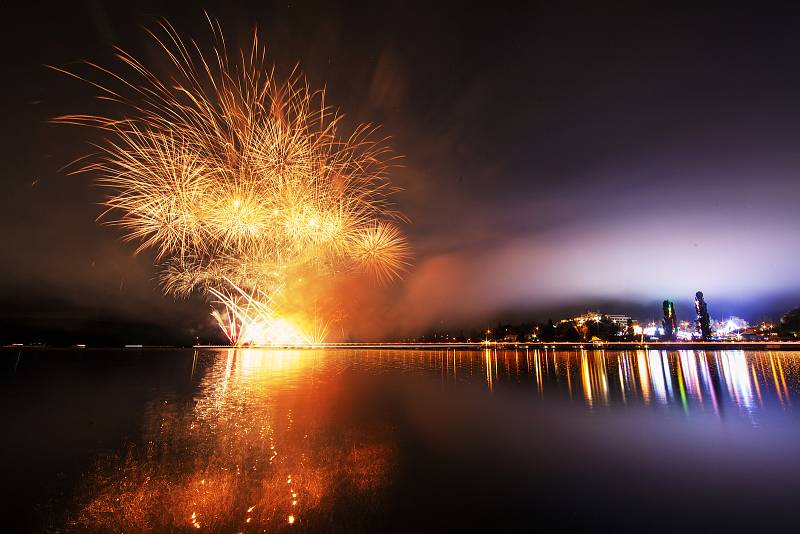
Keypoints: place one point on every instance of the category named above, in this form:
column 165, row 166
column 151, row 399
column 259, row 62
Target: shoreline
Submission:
column 474, row 346
column 563, row 345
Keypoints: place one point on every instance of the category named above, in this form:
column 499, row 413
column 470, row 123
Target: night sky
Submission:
column 554, row 160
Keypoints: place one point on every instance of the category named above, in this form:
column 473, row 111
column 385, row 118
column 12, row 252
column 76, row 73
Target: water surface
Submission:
column 259, row 440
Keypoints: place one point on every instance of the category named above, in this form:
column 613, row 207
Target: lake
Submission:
column 254, row 440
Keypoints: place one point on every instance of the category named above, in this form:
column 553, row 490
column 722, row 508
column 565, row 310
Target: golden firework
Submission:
column 235, row 178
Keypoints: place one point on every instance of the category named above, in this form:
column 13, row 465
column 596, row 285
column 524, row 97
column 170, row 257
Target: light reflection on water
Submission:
column 277, row 439
column 688, row 379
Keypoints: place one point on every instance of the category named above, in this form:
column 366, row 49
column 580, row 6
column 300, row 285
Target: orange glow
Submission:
column 237, row 423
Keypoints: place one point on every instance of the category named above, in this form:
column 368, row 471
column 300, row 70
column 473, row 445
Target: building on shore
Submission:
column 622, row 322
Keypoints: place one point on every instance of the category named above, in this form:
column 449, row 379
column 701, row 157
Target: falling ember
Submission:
column 241, row 184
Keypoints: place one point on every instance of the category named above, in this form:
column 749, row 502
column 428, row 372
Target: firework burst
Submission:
column 238, row 181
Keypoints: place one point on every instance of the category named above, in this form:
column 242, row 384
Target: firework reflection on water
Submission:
column 246, row 456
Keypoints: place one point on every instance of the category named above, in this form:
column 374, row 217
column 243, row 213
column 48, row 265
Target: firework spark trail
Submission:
column 237, row 180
